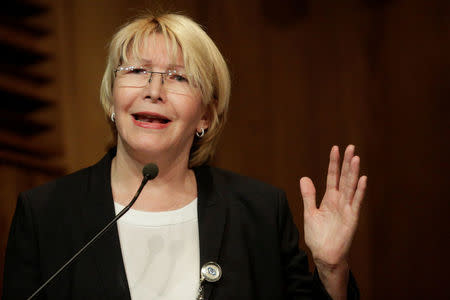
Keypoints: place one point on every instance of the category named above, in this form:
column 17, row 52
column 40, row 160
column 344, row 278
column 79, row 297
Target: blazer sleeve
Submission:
column 21, row 272
column 299, row 283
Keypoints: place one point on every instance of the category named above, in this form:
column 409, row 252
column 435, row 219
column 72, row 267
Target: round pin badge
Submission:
column 211, row 272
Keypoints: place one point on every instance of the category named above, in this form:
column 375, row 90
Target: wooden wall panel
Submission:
column 306, row 75
column 409, row 150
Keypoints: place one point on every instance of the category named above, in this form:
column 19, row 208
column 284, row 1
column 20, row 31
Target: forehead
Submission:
column 156, row 50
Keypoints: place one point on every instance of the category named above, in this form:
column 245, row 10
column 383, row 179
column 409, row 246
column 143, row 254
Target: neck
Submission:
column 174, row 187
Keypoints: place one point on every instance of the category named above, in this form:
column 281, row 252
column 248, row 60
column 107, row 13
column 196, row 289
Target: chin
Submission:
column 142, row 145
column 148, row 148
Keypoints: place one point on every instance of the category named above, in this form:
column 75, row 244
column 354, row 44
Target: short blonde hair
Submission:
column 202, row 60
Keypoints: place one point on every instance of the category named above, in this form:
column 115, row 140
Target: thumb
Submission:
column 308, row 192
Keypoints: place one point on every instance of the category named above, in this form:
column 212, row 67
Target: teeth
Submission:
column 147, row 119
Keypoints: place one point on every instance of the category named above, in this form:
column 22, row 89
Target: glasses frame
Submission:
column 146, row 71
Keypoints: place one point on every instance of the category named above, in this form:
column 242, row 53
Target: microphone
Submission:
column 149, row 172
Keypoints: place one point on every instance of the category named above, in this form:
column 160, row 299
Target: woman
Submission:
column 165, row 91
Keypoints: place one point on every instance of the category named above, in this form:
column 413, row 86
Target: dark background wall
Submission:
column 306, row 75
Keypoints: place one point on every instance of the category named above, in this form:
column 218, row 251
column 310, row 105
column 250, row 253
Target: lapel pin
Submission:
column 211, row 272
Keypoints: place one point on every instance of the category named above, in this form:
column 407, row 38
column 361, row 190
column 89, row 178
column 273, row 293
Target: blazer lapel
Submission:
column 212, row 210
column 98, row 210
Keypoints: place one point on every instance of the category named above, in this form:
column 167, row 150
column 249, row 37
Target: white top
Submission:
column 161, row 252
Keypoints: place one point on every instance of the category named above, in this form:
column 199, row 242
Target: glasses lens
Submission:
column 177, row 83
column 132, row 77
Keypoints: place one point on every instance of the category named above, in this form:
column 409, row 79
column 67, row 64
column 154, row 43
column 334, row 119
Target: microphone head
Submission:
column 150, row 171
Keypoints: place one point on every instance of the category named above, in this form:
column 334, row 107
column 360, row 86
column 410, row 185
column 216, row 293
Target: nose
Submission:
column 155, row 85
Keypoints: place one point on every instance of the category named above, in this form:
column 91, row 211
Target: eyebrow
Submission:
column 176, row 66
column 146, row 62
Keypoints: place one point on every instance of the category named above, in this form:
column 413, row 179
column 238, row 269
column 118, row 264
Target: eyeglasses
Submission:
column 173, row 81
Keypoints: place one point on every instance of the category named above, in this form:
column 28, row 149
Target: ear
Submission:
column 205, row 121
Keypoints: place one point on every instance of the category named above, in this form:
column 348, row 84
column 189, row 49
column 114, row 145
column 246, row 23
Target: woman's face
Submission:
column 154, row 119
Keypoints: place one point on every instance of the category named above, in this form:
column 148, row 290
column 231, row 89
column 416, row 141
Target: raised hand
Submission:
column 329, row 229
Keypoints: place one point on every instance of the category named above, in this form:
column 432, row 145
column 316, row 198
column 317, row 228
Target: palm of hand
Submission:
column 329, row 229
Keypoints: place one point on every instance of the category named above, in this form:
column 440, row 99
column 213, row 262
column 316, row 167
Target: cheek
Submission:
column 193, row 109
column 122, row 99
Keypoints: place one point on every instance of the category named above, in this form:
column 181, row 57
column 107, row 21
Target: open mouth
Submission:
column 150, row 118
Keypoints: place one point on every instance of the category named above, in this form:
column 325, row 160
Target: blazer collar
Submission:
column 98, row 210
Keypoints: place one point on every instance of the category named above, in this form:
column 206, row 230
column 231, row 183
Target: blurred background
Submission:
column 307, row 74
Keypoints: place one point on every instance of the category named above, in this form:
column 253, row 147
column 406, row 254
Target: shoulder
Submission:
column 241, row 183
column 69, row 188
column 61, row 184
column 241, row 191
column 66, row 187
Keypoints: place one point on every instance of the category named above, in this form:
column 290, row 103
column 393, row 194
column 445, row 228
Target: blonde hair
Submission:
column 202, row 59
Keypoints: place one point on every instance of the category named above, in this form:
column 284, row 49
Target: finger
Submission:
column 308, row 192
column 359, row 194
column 351, row 179
column 333, row 169
column 348, row 155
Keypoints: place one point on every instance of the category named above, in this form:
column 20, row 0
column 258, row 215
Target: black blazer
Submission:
column 244, row 225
